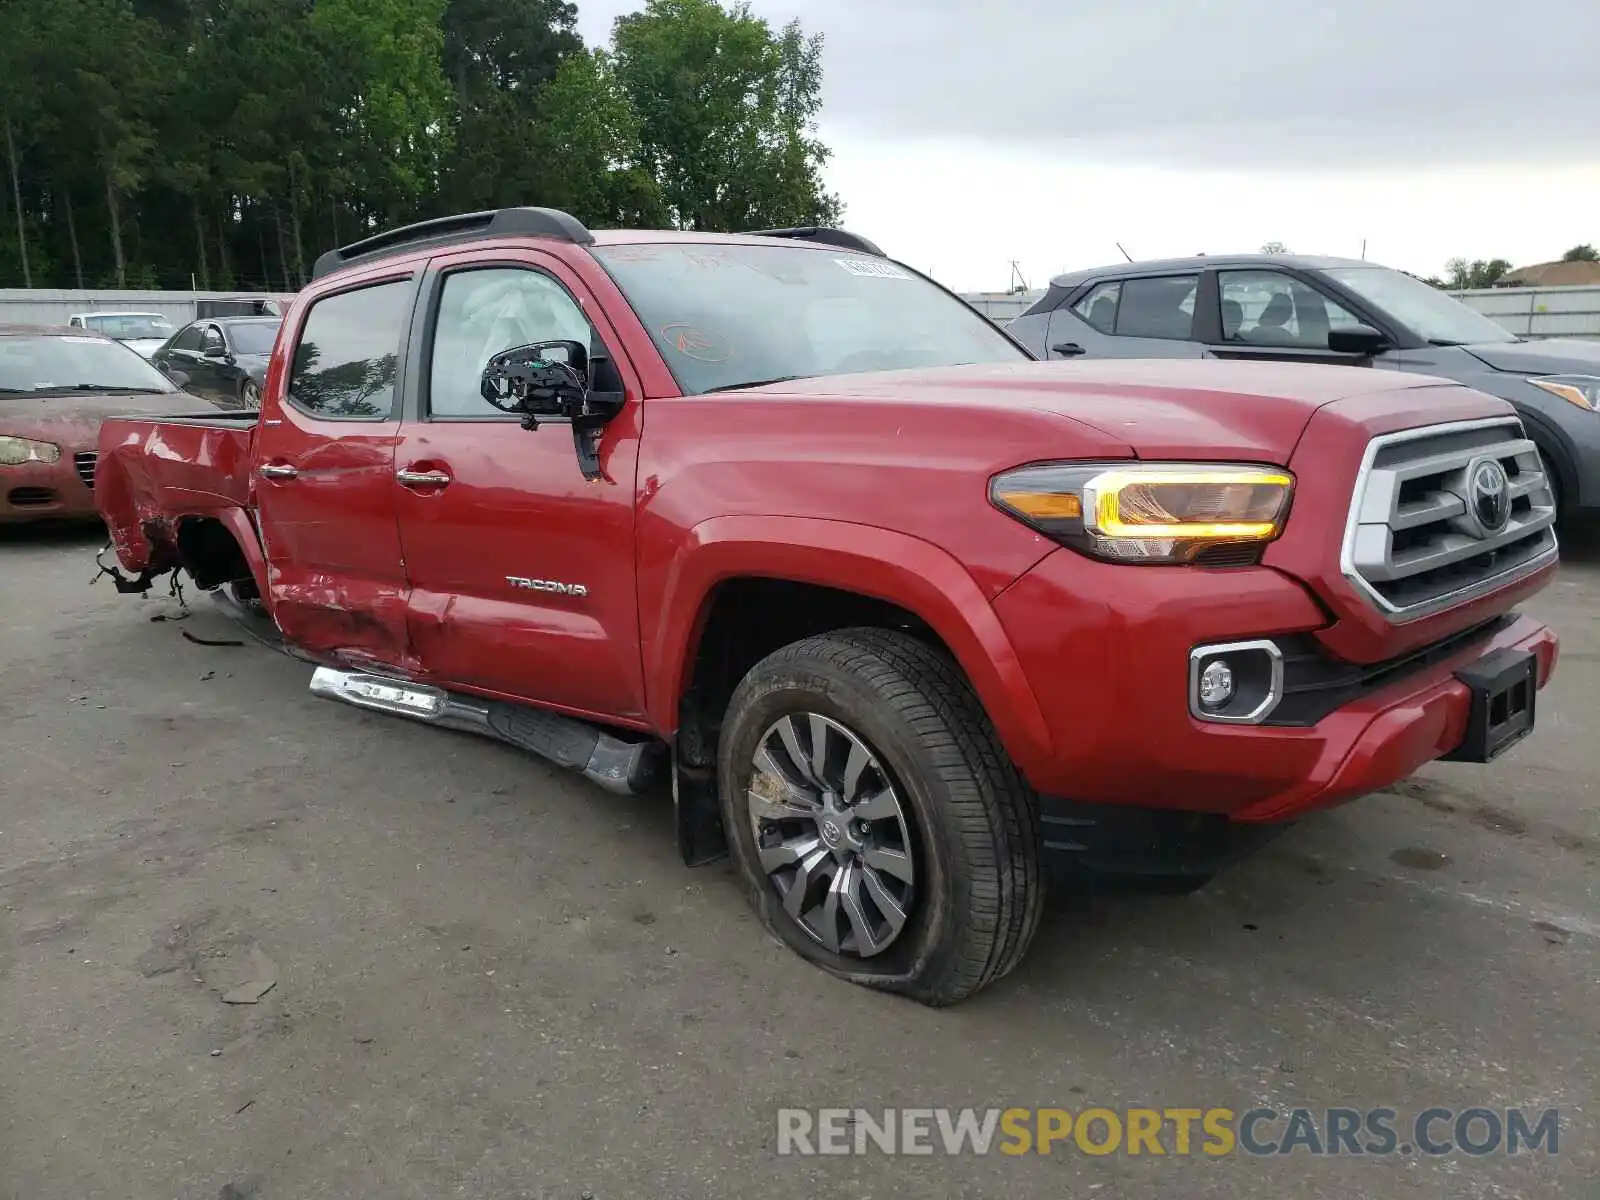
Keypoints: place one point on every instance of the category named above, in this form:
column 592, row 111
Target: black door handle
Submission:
column 1066, row 349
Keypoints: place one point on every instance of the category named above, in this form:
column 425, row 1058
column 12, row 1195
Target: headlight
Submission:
column 1151, row 512
column 1582, row 390
column 14, row 451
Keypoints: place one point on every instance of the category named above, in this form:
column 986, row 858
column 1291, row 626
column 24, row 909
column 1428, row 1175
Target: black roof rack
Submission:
column 828, row 237
column 510, row 222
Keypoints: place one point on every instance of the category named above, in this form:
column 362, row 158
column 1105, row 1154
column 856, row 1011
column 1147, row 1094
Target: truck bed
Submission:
column 154, row 470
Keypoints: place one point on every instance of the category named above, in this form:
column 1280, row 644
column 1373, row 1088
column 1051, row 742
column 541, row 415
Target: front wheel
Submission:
column 878, row 825
column 250, row 395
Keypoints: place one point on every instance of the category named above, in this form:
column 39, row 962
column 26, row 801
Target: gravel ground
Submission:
column 497, row 981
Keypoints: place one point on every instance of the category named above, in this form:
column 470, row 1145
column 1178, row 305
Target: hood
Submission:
column 1163, row 408
column 72, row 419
column 1544, row 356
column 145, row 346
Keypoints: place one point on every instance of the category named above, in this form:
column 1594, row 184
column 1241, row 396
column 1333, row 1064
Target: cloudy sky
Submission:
column 966, row 135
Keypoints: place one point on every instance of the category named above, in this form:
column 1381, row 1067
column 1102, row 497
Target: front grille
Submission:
column 30, row 497
column 1424, row 534
column 84, row 461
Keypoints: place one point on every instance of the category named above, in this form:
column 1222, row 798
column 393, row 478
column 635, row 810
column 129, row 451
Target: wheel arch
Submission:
column 853, row 575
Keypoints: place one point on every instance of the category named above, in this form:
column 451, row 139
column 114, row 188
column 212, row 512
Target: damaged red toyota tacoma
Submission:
column 907, row 621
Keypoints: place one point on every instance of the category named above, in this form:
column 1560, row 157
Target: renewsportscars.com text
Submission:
column 1167, row 1131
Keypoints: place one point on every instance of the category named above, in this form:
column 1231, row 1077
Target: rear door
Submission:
column 1149, row 316
column 324, row 484
column 522, row 572
column 1273, row 315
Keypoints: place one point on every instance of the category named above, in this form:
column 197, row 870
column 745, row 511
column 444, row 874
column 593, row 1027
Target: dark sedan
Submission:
column 223, row 359
column 1330, row 310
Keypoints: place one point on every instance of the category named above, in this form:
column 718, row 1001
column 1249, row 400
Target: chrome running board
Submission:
column 616, row 764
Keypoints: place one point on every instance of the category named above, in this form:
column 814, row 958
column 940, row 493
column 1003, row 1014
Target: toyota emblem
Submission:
column 1489, row 495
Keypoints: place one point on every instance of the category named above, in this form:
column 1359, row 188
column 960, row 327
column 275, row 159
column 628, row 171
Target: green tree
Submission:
column 109, row 85
column 1581, row 253
column 499, row 57
column 726, row 111
column 1461, row 274
column 587, row 145
column 1274, row 248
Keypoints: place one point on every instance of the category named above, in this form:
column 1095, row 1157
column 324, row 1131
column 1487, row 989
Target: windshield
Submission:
column 729, row 315
column 253, row 337
column 125, row 326
column 1432, row 315
column 63, row 362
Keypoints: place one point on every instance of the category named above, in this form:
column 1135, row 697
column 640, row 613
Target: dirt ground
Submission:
column 497, row 981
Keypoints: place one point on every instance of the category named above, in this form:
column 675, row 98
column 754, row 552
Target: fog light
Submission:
column 1216, row 683
column 1235, row 683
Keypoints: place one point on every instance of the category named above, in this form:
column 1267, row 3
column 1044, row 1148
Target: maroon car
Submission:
column 56, row 387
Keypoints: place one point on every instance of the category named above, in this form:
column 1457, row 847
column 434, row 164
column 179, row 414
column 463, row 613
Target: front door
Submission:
column 207, row 368
column 522, row 572
column 324, row 485
column 1271, row 315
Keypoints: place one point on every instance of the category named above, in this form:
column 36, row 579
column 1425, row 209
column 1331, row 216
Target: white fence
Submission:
column 19, row 306
column 1540, row 312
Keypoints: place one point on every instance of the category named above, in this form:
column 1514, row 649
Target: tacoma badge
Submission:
column 547, row 585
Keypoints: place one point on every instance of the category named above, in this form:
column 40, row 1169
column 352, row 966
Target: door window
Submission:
column 1157, row 308
column 1269, row 308
column 349, row 351
column 189, row 339
column 211, row 341
column 484, row 312
column 1099, row 307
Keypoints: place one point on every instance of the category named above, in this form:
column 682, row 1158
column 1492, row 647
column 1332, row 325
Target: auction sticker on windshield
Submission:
column 872, row 269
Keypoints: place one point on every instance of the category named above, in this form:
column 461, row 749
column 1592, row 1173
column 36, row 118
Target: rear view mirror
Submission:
column 1357, row 339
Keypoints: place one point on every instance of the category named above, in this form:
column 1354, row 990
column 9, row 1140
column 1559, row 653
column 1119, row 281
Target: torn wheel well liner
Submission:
column 210, row 552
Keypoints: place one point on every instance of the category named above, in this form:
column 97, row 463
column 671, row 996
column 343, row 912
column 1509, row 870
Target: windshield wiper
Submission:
column 733, row 387
column 120, row 389
column 1444, row 342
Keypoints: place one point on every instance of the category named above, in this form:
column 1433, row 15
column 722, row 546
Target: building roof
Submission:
column 1552, row 274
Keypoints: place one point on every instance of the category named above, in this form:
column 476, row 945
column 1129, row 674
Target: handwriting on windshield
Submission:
column 698, row 344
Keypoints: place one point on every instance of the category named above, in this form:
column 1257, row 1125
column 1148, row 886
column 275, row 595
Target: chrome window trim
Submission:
column 1402, row 616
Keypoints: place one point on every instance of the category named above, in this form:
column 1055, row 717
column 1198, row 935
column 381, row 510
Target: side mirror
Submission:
column 543, row 379
column 1357, row 339
column 220, row 353
column 557, row 379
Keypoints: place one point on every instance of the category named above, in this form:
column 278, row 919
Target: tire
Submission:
column 250, row 395
column 967, row 821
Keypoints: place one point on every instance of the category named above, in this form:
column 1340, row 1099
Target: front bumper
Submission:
column 37, row 491
column 1105, row 648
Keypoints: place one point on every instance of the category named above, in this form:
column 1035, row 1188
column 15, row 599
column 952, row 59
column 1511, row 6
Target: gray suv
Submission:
column 1330, row 310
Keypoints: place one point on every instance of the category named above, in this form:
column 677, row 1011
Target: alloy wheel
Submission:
column 832, row 833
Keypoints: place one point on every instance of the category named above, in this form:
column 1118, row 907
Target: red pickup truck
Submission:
column 907, row 620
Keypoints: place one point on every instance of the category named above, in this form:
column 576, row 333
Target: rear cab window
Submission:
column 346, row 361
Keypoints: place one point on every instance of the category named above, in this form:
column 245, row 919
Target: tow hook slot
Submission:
column 616, row 764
